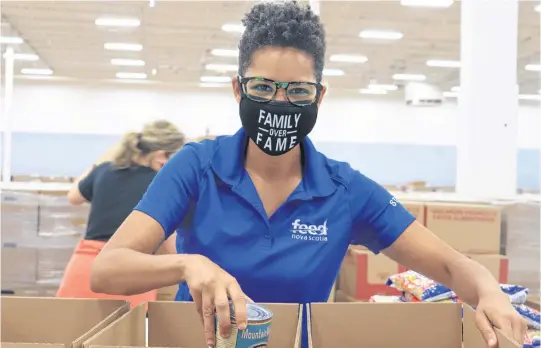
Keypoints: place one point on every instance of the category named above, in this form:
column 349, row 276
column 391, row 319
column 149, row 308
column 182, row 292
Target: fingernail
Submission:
column 242, row 326
column 491, row 342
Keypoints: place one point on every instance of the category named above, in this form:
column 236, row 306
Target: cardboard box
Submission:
column 177, row 324
column 168, row 293
column 55, row 323
column 472, row 229
column 364, row 274
column 419, row 325
column 417, row 209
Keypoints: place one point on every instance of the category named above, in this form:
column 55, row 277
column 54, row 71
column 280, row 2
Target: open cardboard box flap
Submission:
column 55, row 323
column 389, row 325
column 177, row 324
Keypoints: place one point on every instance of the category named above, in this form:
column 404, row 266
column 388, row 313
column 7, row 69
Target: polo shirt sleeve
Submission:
column 167, row 199
column 378, row 219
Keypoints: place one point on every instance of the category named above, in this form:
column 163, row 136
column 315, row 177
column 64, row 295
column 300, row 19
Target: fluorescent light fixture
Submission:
column 233, row 28
column 119, row 46
column 25, row 56
column 427, row 3
column 450, row 94
column 455, row 89
column 215, row 79
column 381, row 34
column 443, row 63
column 409, row 77
column 383, row 87
column 529, row 97
column 222, row 67
column 333, row 72
column 213, row 85
column 118, row 22
column 128, row 62
column 373, row 91
column 11, row 40
column 224, row 53
column 131, row 75
column 533, row 67
column 30, row 71
column 346, row 58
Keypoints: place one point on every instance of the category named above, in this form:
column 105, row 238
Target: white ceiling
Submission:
column 177, row 37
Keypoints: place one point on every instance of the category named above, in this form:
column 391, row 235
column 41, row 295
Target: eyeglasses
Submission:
column 263, row 90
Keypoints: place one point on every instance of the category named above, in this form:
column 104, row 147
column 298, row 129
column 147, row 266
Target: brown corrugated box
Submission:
column 55, row 323
column 177, row 324
column 386, row 325
column 468, row 228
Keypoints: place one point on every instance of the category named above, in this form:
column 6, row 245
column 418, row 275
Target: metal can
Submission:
column 256, row 334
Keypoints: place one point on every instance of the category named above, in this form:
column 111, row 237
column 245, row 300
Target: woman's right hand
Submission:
column 211, row 288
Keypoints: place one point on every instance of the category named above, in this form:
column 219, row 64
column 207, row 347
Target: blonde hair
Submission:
column 155, row 136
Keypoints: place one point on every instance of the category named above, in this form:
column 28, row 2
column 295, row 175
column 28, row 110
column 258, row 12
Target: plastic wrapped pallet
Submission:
column 521, row 227
column 19, row 216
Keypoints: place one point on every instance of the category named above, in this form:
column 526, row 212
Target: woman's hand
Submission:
column 211, row 288
column 496, row 309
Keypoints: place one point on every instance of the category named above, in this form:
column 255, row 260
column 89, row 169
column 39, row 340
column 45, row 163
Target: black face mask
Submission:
column 277, row 126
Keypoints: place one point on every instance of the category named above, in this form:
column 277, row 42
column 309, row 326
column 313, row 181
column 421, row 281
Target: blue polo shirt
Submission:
column 294, row 256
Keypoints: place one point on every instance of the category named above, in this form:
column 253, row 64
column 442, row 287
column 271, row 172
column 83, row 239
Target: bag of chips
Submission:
column 532, row 316
column 421, row 287
column 532, row 339
column 384, row 299
column 517, row 294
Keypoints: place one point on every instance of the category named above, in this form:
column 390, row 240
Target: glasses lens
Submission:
column 301, row 93
column 260, row 90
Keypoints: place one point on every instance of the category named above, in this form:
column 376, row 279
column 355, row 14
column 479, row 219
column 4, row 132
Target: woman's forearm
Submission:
column 470, row 280
column 127, row 272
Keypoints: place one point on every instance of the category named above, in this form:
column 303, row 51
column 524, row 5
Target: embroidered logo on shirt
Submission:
column 301, row 231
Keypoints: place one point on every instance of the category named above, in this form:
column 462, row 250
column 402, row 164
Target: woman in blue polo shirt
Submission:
column 265, row 216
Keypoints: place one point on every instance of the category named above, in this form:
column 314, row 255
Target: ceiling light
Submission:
column 346, row 58
column 409, row 77
column 538, row 8
column 383, row 87
column 29, row 71
column 128, row 62
column 119, row 46
column 533, row 67
column 233, row 28
column 130, row 75
column 455, row 89
column 443, row 63
column 222, row 67
column 118, row 22
column 213, row 85
column 11, row 40
column 372, row 91
column 450, row 94
column 224, row 53
column 381, row 34
column 529, row 97
column 215, row 79
column 333, row 72
column 427, row 3
column 24, row 56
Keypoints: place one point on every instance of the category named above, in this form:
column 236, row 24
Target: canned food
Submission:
column 256, row 334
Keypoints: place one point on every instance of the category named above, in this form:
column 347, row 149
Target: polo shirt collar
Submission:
column 228, row 164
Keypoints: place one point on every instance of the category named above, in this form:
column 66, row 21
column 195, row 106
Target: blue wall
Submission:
column 70, row 154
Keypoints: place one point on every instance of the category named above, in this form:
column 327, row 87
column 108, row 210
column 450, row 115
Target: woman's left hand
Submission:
column 495, row 309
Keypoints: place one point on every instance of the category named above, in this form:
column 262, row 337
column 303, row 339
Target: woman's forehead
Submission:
column 281, row 64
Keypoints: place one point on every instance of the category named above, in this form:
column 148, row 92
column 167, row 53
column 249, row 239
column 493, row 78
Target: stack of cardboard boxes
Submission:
column 39, row 233
column 474, row 230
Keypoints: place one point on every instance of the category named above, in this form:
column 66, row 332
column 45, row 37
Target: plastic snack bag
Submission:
column 532, row 339
column 384, row 299
column 517, row 294
column 532, row 316
column 421, row 287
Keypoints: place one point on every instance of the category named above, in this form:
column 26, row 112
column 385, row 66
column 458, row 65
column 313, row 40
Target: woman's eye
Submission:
column 262, row 88
column 298, row 91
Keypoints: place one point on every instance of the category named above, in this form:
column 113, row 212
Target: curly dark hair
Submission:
column 284, row 24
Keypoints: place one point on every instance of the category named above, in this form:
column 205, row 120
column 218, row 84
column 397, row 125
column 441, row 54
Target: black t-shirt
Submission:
column 113, row 193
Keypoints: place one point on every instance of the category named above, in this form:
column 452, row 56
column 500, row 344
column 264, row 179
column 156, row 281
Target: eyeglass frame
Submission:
column 279, row 85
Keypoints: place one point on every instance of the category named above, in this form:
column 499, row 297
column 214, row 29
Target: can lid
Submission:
column 257, row 312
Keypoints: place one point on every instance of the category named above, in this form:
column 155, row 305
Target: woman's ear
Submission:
column 236, row 89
